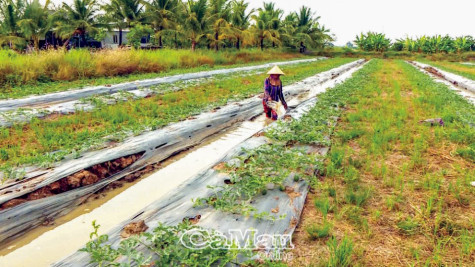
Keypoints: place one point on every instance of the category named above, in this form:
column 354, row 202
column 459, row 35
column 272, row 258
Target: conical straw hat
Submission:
column 276, row 70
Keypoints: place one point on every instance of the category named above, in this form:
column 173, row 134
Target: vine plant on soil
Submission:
column 163, row 247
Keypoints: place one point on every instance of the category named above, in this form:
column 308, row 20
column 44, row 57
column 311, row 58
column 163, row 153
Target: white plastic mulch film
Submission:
column 153, row 146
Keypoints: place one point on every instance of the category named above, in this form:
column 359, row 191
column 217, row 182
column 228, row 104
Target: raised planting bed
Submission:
column 274, row 209
column 453, row 78
column 454, row 81
column 268, row 199
column 132, row 155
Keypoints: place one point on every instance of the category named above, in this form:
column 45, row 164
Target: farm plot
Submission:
column 396, row 187
column 46, row 141
column 158, row 145
column 76, row 94
column 272, row 195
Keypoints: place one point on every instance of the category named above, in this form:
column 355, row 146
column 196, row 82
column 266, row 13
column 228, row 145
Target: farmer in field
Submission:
column 273, row 93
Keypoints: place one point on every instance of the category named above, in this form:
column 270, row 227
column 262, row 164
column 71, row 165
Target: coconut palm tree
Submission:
column 267, row 23
column 297, row 27
column 11, row 13
column 196, row 21
column 306, row 25
column 36, row 21
column 321, row 36
column 122, row 13
column 78, row 19
column 240, row 20
column 163, row 16
column 220, row 15
column 288, row 29
column 275, row 15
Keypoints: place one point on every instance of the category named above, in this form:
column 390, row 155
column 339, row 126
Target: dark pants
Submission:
column 271, row 114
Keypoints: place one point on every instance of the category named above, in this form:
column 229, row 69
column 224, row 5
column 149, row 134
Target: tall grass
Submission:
column 57, row 65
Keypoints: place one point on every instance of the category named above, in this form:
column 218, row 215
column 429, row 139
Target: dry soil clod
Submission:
column 134, row 228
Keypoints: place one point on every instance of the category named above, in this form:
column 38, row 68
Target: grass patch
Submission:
column 317, row 231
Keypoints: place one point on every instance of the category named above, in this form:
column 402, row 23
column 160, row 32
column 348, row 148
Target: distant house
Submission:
column 112, row 38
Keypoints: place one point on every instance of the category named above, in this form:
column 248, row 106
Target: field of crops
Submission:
column 236, row 133
column 380, row 168
column 377, row 170
column 394, row 190
column 64, row 135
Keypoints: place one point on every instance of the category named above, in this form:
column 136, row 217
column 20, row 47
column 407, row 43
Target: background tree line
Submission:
column 378, row 42
column 214, row 24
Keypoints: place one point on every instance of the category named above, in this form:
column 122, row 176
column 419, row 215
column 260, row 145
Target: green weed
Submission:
column 323, row 205
column 409, row 226
column 317, row 231
column 340, row 252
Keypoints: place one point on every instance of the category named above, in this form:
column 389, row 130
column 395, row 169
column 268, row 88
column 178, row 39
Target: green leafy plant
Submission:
column 323, row 205
column 162, row 247
column 267, row 164
column 373, row 41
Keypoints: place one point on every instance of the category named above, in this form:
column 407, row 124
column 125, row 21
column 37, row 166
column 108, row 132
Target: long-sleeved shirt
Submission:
column 273, row 92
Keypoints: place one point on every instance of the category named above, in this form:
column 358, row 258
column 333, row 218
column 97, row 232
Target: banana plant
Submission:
column 373, row 42
column 464, row 43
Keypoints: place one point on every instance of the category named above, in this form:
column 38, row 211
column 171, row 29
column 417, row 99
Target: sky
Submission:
column 396, row 18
